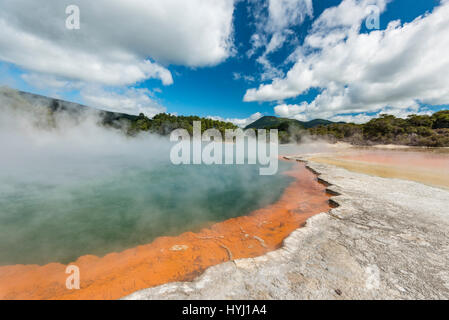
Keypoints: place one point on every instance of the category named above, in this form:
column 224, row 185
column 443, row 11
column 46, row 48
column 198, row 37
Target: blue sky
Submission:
column 239, row 77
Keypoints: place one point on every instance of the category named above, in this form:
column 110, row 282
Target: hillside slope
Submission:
column 270, row 122
column 47, row 110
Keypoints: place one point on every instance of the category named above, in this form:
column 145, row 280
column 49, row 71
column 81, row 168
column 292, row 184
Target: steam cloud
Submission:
column 70, row 187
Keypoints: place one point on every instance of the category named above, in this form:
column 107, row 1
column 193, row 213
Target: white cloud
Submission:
column 303, row 113
column 283, row 14
column 131, row 101
column 366, row 72
column 238, row 76
column 359, row 118
column 117, row 38
column 405, row 112
column 291, row 111
column 274, row 20
column 363, row 117
column 242, row 123
column 123, row 100
column 45, row 81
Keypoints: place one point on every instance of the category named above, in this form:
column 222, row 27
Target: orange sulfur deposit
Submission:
column 169, row 259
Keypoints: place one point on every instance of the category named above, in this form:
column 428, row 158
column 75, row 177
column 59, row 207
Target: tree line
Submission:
column 415, row 130
column 164, row 124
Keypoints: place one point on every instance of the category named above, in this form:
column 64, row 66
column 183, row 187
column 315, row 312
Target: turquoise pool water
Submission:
column 57, row 213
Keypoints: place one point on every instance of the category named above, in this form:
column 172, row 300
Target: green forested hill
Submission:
column 290, row 130
column 270, row 122
column 318, row 122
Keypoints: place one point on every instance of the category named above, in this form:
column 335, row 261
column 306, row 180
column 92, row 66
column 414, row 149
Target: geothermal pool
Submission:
column 281, row 206
column 78, row 209
column 129, row 219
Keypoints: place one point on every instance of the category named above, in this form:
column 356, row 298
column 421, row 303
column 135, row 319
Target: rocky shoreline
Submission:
column 386, row 239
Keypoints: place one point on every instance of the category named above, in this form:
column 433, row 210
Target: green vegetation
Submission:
column 290, row 130
column 273, row 123
column 164, row 124
column 416, row 130
column 282, row 123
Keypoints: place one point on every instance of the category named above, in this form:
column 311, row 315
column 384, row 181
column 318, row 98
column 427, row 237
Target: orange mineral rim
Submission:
column 180, row 258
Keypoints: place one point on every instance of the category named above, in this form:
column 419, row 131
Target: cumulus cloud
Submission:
column 301, row 112
column 242, row 123
column 274, row 20
column 349, row 118
column 364, row 117
column 45, row 81
column 119, row 42
column 131, row 101
column 398, row 68
column 292, row 111
column 283, row 14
